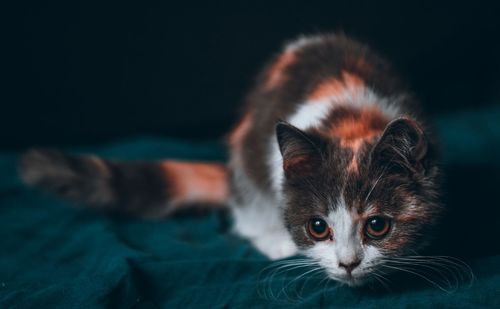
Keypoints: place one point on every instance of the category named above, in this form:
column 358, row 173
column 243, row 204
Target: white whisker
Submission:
column 451, row 264
column 419, row 275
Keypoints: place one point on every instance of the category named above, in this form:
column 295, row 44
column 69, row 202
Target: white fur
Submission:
column 303, row 41
column 347, row 240
column 259, row 219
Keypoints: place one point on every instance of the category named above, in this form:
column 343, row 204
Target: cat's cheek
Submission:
column 372, row 256
column 324, row 254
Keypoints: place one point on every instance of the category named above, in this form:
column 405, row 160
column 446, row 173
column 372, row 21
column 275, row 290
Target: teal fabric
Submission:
column 53, row 255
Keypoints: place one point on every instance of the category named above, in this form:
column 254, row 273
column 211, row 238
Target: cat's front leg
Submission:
column 275, row 244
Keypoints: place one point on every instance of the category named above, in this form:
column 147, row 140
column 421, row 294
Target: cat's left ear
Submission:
column 403, row 147
column 301, row 152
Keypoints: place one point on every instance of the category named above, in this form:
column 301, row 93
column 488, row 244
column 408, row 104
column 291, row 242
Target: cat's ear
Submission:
column 302, row 154
column 402, row 148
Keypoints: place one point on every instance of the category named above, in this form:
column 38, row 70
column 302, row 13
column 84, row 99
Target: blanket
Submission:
column 53, row 254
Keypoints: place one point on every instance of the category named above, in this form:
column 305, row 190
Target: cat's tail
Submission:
column 148, row 189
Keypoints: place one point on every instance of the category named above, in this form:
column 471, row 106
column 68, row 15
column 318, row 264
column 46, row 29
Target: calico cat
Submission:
column 330, row 159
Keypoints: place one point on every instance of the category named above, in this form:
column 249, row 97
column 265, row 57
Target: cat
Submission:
column 331, row 159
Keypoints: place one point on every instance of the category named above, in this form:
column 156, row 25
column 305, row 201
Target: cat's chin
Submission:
column 354, row 282
column 351, row 281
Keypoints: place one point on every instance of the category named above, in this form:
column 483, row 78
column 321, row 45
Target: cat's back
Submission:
column 302, row 85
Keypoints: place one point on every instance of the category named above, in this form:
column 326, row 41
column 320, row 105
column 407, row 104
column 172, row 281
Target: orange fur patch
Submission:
column 241, row 129
column 275, row 74
column 335, row 86
column 358, row 127
column 191, row 182
column 354, row 146
column 369, row 122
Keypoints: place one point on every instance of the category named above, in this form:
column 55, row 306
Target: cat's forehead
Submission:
column 363, row 195
column 364, row 190
column 341, row 175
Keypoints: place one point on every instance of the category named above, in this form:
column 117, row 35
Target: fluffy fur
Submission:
column 328, row 132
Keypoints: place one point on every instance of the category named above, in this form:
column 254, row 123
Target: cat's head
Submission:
column 352, row 208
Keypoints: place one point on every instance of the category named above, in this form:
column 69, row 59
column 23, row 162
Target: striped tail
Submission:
column 147, row 189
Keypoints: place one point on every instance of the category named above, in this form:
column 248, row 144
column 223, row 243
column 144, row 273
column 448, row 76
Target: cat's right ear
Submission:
column 302, row 154
column 403, row 147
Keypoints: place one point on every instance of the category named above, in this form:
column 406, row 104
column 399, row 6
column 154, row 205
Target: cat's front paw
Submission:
column 276, row 246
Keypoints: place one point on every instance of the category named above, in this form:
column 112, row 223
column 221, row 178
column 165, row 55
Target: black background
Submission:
column 84, row 73
column 79, row 73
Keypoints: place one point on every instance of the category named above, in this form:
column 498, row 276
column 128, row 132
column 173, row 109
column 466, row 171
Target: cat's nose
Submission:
column 349, row 266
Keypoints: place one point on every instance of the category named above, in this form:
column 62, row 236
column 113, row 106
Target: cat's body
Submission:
column 329, row 159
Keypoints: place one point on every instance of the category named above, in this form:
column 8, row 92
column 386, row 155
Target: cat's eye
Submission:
column 318, row 229
column 377, row 227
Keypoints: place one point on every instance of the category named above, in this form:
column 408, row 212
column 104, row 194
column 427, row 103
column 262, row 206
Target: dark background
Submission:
column 79, row 73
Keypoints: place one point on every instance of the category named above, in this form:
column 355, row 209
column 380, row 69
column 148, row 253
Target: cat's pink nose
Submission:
column 349, row 267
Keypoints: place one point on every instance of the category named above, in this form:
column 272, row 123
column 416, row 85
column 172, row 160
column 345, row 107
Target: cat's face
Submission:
column 350, row 221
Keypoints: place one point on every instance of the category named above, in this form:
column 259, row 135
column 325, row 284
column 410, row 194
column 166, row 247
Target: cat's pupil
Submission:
column 319, row 226
column 377, row 224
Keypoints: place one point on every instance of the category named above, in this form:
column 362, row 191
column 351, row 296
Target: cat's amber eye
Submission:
column 377, row 227
column 318, row 229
